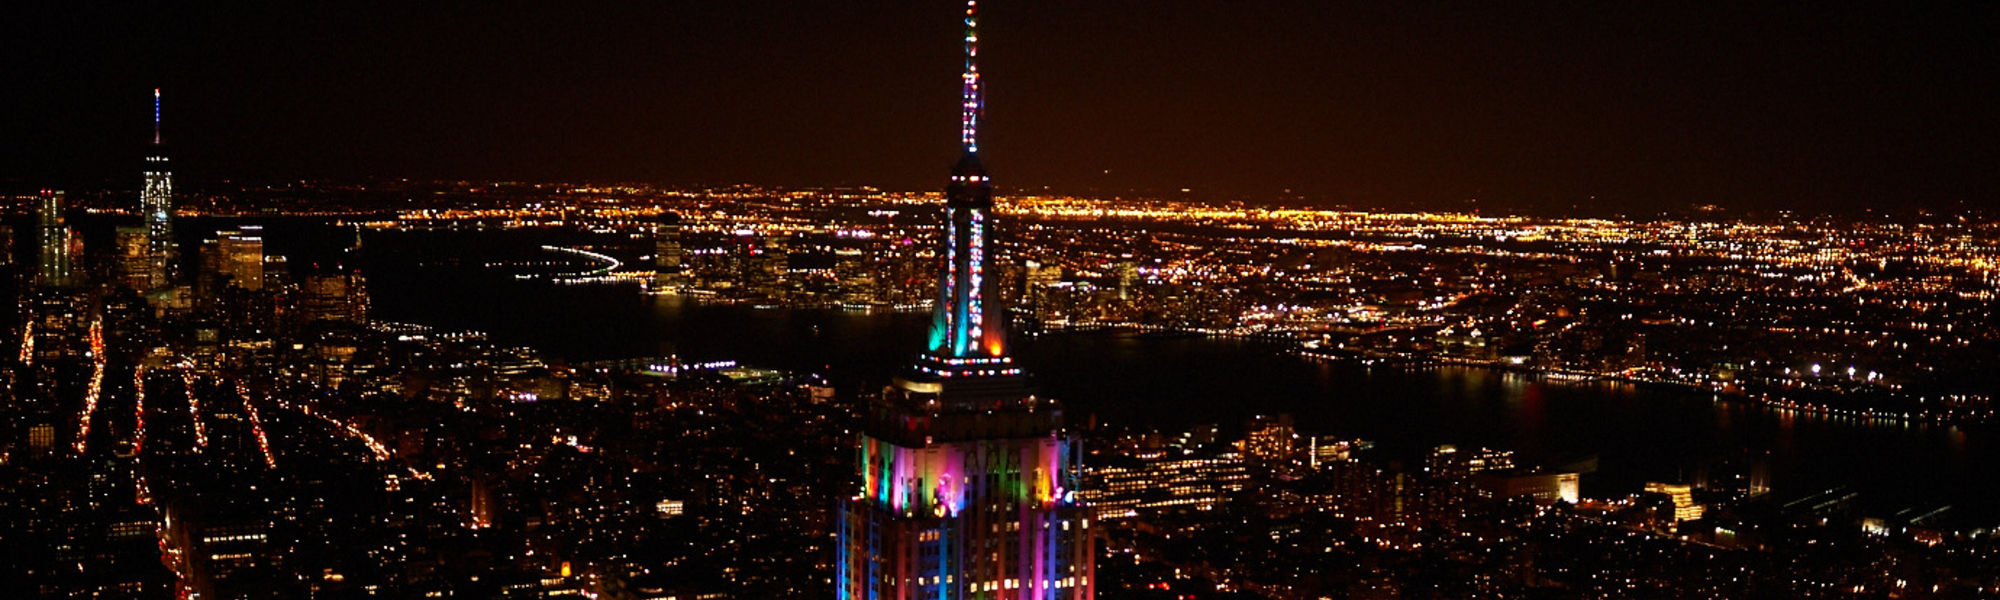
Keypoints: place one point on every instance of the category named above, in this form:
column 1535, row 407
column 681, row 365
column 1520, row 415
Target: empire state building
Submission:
column 968, row 479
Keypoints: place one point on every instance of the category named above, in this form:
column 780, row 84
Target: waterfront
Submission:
column 663, row 301
column 1637, row 434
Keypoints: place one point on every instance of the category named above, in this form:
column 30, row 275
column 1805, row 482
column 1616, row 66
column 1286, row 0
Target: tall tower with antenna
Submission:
column 967, row 477
column 968, row 322
column 156, row 203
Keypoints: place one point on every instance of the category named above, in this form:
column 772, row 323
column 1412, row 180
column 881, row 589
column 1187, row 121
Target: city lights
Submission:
column 1288, row 301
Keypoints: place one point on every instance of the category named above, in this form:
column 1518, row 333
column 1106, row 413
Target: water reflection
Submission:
column 1639, row 433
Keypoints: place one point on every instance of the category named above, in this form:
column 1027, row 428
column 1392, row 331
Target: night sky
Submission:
column 1607, row 106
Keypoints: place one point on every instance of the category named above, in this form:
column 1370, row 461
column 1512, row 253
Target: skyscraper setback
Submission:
column 968, row 480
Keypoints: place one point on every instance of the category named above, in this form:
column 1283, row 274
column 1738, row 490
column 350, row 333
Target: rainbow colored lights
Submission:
column 973, row 103
column 939, row 479
column 928, row 514
column 975, row 309
column 961, row 327
column 980, row 503
column 945, row 338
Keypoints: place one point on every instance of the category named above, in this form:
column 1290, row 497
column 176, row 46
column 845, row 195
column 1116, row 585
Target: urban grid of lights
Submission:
column 28, row 344
column 96, row 382
column 138, row 409
column 194, row 404
column 256, row 424
column 376, row 450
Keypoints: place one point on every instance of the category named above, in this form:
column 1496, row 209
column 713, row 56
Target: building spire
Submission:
column 974, row 100
column 156, row 203
column 968, row 323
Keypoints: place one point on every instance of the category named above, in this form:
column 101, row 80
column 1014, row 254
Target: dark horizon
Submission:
column 1524, row 108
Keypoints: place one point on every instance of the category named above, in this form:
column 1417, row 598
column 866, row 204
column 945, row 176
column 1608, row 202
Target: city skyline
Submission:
column 1521, row 108
column 546, row 381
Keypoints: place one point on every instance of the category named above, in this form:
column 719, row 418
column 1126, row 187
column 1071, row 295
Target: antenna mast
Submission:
column 974, row 107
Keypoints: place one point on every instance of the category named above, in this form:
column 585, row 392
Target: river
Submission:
column 1637, row 434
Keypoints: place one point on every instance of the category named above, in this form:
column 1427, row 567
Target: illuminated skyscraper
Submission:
column 134, row 257
column 156, row 202
column 1271, row 448
column 968, row 481
column 1682, row 495
column 241, row 256
column 669, row 258
column 57, row 244
column 335, row 296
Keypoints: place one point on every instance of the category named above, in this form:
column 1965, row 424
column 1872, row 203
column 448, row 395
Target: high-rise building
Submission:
column 669, row 257
column 1154, row 480
column 776, row 261
column 968, row 479
column 1682, row 496
column 134, row 259
column 242, row 256
column 1271, row 448
column 209, row 275
column 482, row 504
column 763, row 265
column 1449, row 462
column 57, row 243
column 1542, row 487
column 334, row 297
column 156, row 202
column 1128, row 273
column 58, row 322
column 41, row 437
